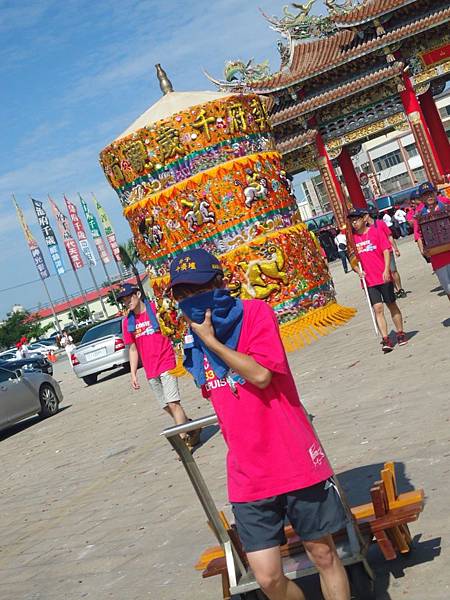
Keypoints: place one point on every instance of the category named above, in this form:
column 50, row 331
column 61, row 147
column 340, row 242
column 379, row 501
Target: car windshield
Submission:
column 102, row 330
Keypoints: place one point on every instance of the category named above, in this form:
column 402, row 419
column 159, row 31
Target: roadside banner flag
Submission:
column 70, row 244
column 49, row 236
column 36, row 252
column 95, row 232
column 109, row 231
column 80, row 232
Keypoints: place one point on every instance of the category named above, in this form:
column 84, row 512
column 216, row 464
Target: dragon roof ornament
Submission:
column 237, row 74
column 302, row 25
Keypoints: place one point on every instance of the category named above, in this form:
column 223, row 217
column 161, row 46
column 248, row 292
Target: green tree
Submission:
column 130, row 257
column 110, row 299
column 81, row 313
column 19, row 324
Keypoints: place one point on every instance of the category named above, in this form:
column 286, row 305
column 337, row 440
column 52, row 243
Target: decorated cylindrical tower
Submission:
column 201, row 169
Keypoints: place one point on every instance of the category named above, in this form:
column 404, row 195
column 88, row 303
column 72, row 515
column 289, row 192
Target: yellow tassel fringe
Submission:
column 308, row 328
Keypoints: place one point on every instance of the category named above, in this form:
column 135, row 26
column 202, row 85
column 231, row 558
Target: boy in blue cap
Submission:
column 276, row 466
column 141, row 332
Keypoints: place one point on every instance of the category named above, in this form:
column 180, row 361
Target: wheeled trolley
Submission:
column 229, row 560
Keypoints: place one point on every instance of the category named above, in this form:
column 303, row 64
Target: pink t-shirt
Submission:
column 370, row 247
column 272, row 447
column 381, row 225
column 155, row 350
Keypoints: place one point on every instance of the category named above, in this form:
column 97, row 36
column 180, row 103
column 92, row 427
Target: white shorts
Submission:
column 443, row 274
column 165, row 388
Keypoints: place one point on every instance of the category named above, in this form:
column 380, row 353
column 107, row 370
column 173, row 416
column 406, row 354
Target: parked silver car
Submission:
column 23, row 394
column 102, row 348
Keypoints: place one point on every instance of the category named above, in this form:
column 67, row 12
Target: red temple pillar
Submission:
column 351, row 179
column 436, row 128
column 331, row 182
column 424, row 141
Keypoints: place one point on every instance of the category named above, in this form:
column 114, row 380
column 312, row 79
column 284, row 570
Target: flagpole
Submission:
column 105, row 314
column 58, row 326
column 74, row 319
column 108, row 278
column 82, row 292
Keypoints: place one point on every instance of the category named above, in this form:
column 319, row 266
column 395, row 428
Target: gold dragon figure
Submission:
column 257, row 272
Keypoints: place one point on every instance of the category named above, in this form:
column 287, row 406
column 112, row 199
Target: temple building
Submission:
column 364, row 70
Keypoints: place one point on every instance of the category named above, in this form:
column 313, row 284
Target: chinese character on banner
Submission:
column 36, row 253
column 80, row 232
column 168, row 140
column 202, row 123
column 69, row 243
column 236, row 115
column 109, row 231
column 49, row 236
column 259, row 113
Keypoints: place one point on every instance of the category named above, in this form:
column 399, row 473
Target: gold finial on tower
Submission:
column 164, row 82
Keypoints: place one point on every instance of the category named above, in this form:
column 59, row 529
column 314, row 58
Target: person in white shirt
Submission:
column 341, row 244
column 400, row 217
column 388, row 219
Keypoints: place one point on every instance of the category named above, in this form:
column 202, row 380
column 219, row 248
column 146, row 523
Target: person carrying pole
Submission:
column 374, row 253
column 276, row 466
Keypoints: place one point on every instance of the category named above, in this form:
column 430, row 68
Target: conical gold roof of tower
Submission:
column 171, row 103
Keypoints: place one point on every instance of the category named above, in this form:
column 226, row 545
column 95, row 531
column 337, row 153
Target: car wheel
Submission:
column 49, row 401
column 126, row 367
column 90, row 379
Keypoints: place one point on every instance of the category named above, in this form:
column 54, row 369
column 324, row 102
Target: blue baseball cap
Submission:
column 194, row 267
column 126, row 290
column 426, row 187
column 358, row 212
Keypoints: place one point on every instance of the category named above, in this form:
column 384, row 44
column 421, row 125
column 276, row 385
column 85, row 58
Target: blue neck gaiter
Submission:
column 226, row 316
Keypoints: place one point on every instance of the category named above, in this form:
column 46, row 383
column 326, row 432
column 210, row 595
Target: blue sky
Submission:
column 74, row 75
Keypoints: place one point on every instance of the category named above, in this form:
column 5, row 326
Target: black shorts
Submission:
column 382, row 293
column 313, row 512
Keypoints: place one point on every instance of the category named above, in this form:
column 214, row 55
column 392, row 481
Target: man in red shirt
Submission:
column 374, row 253
column 276, row 466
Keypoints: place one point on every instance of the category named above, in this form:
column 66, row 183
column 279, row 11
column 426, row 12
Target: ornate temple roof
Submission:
column 343, row 91
column 312, row 58
column 294, row 142
column 367, row 11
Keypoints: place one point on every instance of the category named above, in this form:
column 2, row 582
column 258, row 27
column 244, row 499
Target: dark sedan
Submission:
column 33, row 363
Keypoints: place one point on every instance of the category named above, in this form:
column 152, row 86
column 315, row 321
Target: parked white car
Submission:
column 101, row 348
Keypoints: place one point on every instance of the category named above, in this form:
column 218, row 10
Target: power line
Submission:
column 13, row 287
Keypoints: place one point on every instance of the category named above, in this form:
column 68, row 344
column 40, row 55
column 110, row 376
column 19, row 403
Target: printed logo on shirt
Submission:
column 143, row 328
column 365, row 246
column 213, row 382
column 316, row 454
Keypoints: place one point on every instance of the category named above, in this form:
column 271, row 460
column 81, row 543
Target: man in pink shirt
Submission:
column 142, row 334
column 374, row 253
column 441, row 261
column 276, row 466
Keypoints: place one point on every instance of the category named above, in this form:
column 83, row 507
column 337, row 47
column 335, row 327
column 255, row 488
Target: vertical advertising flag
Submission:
column 36, row 253
column 80, row 232
column 49, row 236
column 70, row 244
column 109, row 231
column 95, row 232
